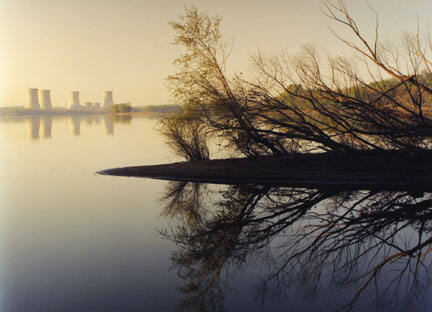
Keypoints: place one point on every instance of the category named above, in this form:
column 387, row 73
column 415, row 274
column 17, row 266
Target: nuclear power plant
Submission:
column 108, row 99
column 32, row 98
column 37, row 99
column 45, row 97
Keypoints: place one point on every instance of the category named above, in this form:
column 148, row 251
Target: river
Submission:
column 72, row 240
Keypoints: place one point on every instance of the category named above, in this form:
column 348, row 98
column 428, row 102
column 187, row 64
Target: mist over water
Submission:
column 71, row 240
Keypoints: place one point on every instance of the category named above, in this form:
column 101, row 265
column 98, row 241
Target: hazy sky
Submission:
column 125, row 45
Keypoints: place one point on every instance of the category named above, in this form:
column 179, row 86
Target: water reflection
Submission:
column 109, row 124
column 47, row 126
column 67, row 242
column 89, row 120
column 76, row 124
column 125, row 119
column 34, row 123
column 373, row 244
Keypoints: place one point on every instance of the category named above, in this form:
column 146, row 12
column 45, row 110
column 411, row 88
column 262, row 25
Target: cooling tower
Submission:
column 45, row 96
column 32, row 98
column 74, row 99
column 108, row 98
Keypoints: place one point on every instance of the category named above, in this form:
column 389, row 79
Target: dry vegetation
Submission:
column 309, row 102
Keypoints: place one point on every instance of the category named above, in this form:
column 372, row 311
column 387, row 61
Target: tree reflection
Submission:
column 183, row 200
column 310, row 238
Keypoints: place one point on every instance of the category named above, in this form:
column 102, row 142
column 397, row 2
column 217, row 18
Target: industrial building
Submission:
column 74, row 99
column 37, row 99
column 32, row 98
column 108, row 99
column 45, row 99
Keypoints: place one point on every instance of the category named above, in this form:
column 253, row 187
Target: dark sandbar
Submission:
column 388, row 170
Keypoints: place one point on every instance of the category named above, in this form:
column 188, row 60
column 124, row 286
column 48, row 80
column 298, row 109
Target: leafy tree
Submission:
column 121, row 108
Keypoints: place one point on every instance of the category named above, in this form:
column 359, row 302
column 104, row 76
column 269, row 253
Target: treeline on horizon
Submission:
column 165, row 108
column 128, row 108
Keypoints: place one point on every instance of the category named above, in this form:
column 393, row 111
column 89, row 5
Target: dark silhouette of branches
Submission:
column 366, row 239
column 186, row 136
column 309, row 101
column 184, row 201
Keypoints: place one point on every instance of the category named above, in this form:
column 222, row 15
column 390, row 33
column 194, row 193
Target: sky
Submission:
column 125, row 45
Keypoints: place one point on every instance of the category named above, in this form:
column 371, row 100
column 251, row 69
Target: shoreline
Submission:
column 299, row 170
column 82, row 113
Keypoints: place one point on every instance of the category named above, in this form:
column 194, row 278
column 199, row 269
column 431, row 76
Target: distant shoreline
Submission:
column 69, row 112
column 388, row 170
column 139, row 113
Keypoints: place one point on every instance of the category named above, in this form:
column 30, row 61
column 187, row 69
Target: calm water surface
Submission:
column 71, row 240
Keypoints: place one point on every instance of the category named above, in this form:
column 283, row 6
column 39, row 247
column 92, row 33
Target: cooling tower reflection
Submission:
column 47, row 126
column 34, row 124
column 75, row 124
column 89, row 120
column 109, row 124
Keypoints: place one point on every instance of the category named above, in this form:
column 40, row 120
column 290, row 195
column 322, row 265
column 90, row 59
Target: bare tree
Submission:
column 186, row 135
column 309, row 101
